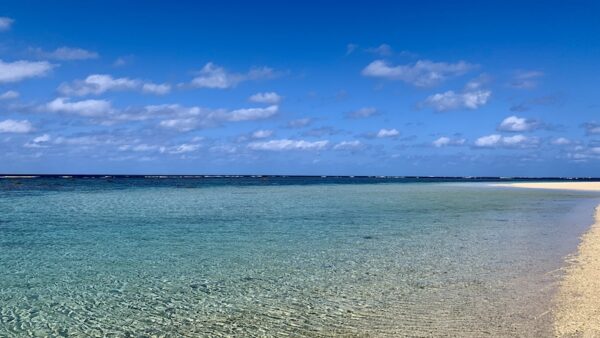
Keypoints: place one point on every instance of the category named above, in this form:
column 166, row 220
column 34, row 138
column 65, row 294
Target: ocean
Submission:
column 276, row 256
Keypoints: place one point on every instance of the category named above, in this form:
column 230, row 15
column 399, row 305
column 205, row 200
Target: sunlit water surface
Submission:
column 101, row 258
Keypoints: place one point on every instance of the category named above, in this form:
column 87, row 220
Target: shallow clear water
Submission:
column 101, row 258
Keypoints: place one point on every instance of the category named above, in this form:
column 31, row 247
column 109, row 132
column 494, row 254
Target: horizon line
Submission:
column 474, row 177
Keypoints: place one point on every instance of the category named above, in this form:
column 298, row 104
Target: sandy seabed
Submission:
column 577, row 312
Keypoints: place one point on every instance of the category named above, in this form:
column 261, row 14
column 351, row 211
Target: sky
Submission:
column 461, row 88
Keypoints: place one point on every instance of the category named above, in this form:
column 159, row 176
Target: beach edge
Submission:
column 577, row 301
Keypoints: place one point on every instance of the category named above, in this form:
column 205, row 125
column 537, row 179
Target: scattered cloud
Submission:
column 9, row 95
column 381, row 50
column 547, row 100
column 67, row 54
column 248, row 114
column 180, row 124
column 451, row 100
column 5, row 23
column 362, row 113
column 14, row 126
column 21, row 70
column 423, row 73
column 87, row 108
column 300, row 123
column 445, row 141
column 39, row 142
column 216, row 77
column 382, row 133
column 591, row 128
column 157, row 89
column 139, row 147
column 584, row 154
column 496, row 140
column 267, row 97
column 526, row 79
column 561, row 141
column 97, row 84
column 188, row 118
column 123, row 60
column 262, row 133
column 349, row 145
column 518, row 124
column 322, row 131
column 180, row 149
column 287, row 144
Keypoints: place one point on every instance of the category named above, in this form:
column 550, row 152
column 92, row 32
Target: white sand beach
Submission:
column 583, row 186
column 577, row 312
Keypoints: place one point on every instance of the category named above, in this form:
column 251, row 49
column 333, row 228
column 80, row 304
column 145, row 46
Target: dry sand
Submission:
column 577, row 312
column 586, row 186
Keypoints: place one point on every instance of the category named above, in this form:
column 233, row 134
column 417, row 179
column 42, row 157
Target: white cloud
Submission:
column 515, row 123
column 89, row 108
column 181, row 124
column 213, row 76
column 349, row 145
column 138, row 147
column 20, row 70
column 9, row 95
column 561, row 141
column 67, row 54
column 488, row 141
column 450, row 100
column 39, row 142
column 14, row 126
column 526, row 79
column 383, row 50
column 362, row 113
column 249, row 114
column 5, row 23
column 97, row 84
column 591, row 128
column 496, row 140
column 263, row 133
column 180, row 149
column 513, row 140
column 84, row 141
column 423, row 73
column 286, row 144
column 299, row 123
column 387, row 133
column 158, row 89
column 223, row 148
column 447, row 141
column 189, row 118
column 42, row 138
column 267, row 97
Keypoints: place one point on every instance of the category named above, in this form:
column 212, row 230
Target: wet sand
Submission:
column 577, row 312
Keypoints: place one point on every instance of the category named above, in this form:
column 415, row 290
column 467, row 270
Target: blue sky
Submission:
column 264, row 87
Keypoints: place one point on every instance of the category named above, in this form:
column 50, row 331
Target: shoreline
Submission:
column 577, row 309
column 577, row 302
column 579, row 186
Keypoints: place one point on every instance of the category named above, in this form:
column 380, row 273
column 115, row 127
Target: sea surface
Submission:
column 260, row 256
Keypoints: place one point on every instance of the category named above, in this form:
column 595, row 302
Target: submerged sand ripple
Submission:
column 578, row 301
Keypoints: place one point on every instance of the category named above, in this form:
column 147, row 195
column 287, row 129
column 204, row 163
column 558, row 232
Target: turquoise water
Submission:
column 89, row 258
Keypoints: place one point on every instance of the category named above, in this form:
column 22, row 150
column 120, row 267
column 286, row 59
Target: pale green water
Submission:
column 108, row 259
